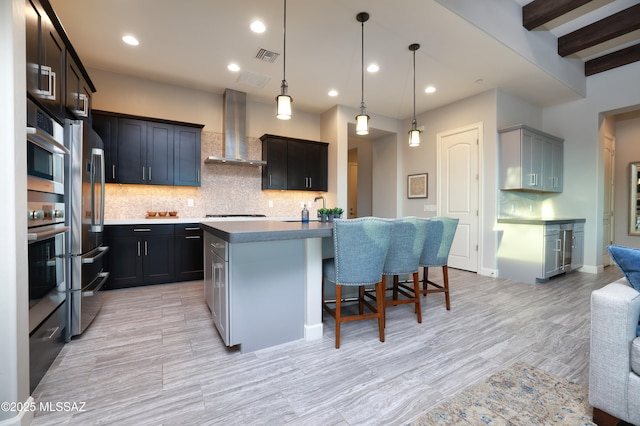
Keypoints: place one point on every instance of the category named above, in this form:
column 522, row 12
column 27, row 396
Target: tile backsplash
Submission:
column 225, row 189
column 526, row 205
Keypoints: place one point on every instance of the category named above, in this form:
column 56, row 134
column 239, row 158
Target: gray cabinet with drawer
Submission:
column 534, row 250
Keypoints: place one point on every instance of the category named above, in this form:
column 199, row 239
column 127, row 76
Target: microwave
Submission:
column 45, row 151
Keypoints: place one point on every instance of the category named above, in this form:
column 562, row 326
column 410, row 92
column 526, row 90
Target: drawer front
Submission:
column 140, row 230
column 45, row 343
column 551, row 229
column 188, row 229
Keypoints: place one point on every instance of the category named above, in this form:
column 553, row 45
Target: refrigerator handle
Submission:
column 97, row 153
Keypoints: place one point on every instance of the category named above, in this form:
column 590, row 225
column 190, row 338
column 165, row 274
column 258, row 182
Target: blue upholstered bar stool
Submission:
column 440, row 233
column 360, row 249
column 403, row 258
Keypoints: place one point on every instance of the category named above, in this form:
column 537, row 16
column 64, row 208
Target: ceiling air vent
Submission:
column 267, row 55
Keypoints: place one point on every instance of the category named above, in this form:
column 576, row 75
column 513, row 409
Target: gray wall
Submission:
column 578, row 124
column 627, row 150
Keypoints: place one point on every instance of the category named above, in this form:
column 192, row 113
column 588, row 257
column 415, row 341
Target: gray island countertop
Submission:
column 266, row 230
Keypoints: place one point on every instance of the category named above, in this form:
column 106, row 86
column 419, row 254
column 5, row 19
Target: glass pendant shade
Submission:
column 283, row 103
column 414, row 137
column 362, row 124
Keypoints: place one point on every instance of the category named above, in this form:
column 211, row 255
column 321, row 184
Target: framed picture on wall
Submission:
column 417, row 185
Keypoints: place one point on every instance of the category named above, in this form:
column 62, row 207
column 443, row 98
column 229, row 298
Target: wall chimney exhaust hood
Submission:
column 234, row 150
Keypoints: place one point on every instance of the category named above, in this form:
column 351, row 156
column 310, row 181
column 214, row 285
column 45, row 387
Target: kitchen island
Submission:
column 263, row 280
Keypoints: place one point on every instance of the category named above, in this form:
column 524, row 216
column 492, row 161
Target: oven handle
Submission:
column 98, row 286
column 43, row 235
column 45, row 141
column 102, row 249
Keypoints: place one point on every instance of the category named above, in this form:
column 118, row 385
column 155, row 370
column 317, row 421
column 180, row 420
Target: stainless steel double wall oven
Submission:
column 48, row 238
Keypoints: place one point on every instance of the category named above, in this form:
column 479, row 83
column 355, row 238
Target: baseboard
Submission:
column 487, row 272
column 312, row 332
column 24, row 417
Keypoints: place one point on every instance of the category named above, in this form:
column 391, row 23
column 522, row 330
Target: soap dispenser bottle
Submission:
column 305, row 214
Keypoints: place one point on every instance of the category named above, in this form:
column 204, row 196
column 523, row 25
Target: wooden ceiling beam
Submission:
column 612, row 60
column 613, row 26
column 539, row 12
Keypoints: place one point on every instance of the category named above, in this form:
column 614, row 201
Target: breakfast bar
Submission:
column 263, row 280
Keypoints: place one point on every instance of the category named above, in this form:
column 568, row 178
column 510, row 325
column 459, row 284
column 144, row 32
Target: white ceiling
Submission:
column 191, row 42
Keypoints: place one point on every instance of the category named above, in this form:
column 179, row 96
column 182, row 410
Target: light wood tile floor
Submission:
column 153, row 357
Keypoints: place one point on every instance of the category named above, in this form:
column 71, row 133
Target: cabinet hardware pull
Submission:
column 84, row 100
column 146, row 252
column 143, row 173
column 138, row 248
column 192, row 229
column 141, row 230
column 50, row 336
column 149, row 173
column 113, row 171
column 50, row 92
column 192, row 237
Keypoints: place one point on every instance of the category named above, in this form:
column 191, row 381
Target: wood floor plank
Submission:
column 153, row 356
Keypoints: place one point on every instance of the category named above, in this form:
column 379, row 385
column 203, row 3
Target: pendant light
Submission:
column 414, row 133
column 362, row 119
column 283, row 100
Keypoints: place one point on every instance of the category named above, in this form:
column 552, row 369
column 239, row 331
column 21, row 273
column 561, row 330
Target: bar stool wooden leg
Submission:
column 445, row 276
column 416, row 293
column 380, row 290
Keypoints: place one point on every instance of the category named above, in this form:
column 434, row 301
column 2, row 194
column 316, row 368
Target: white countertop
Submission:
column 158, row 220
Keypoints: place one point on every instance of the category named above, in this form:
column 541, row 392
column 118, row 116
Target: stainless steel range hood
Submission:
column 234, row 150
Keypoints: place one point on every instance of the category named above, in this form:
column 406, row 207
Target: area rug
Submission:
column 519, row 395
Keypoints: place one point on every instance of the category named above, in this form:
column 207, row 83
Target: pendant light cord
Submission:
column 414, row 89
column 362, row 68
column 284, row 46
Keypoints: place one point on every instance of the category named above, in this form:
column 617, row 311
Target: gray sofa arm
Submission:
column 615, row 310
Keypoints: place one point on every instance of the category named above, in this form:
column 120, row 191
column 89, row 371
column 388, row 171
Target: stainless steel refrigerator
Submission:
column 86, row 219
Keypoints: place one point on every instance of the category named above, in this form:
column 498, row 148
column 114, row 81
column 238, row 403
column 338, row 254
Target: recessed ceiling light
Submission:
column 257, row 27
column 130, row 40
column 333, row 93
column 430, row 89
column 233, row 67
column 373, row 68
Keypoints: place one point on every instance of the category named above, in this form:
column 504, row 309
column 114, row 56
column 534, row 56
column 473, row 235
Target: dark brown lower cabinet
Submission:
column 140, row 255
column 189, row 252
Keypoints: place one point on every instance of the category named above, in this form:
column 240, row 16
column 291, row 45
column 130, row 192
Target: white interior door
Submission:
column 458, row 192
column 607, row 214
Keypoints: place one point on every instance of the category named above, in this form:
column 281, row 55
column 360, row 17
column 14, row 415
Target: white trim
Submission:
column 479, row 127
column 24, row 417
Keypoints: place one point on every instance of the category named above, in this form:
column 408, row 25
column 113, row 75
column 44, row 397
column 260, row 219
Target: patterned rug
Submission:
column 519, row 395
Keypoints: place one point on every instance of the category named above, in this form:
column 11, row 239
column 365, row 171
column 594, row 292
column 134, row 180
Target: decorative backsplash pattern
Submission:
column 225, row 189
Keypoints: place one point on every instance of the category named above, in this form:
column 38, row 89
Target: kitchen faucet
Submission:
column 324, row 202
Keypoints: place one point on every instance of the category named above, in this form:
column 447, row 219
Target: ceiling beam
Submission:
column 613, row 26
column 539, row 12
column 613, row 60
